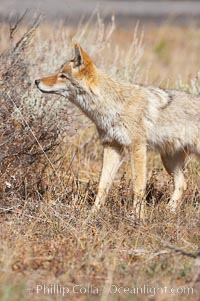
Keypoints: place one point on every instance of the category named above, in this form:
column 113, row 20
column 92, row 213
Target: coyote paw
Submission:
column 173, row 206
column 139, row 211
column 135, row 219
column 91, row 214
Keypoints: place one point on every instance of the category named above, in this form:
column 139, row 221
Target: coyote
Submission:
column 131, row 117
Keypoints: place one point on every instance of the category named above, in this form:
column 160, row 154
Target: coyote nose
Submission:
column 37, row 81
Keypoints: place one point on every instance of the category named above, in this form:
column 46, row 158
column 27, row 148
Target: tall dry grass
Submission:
column 50, row 163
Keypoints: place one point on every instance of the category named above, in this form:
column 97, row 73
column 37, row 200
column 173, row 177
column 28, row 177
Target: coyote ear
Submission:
column 78, row 55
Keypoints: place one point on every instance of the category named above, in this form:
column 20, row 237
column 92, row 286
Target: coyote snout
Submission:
column 37, row 81
column 133, row 117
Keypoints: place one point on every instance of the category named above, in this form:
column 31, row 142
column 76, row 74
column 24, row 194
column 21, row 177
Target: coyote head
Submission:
column 79, row 71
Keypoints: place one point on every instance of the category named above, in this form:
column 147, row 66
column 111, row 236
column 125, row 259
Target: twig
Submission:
column 182, row 252
column 39, row 144
column 13, row 28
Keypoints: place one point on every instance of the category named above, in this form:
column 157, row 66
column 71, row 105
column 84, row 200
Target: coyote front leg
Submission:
column 111, row 162
column 138, row 165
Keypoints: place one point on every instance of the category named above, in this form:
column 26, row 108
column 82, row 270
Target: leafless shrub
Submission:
column 28, row 134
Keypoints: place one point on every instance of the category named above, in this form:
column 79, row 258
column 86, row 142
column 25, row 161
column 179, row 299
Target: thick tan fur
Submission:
column 133, row 117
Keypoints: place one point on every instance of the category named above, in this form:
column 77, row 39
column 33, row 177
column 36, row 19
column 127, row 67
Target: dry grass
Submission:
column 45, row 198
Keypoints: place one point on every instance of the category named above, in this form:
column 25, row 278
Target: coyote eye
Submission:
column 62, row 76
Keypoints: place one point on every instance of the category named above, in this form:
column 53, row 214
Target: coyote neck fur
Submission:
column 105, row 106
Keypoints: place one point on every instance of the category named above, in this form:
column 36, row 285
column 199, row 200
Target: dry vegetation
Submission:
column 50, row 162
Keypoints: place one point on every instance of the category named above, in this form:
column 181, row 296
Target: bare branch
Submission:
column 13, row 28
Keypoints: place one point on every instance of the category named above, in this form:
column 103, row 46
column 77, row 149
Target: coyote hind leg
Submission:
column 174, row 164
